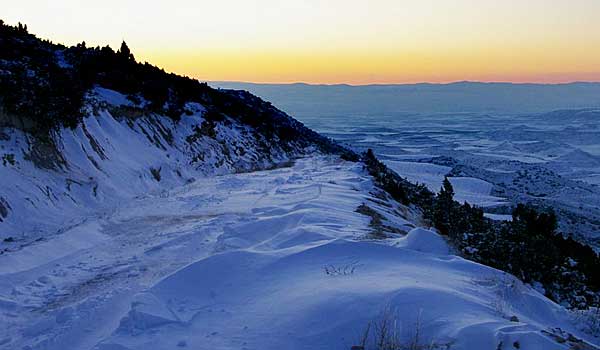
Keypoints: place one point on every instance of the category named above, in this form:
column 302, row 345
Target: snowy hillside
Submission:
column 264, row 260
column 145, row 210
column 110, row 158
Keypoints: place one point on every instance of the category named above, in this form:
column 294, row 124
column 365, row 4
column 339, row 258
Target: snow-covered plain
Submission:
column 466, row 189
column 431, row 175
column 547, row 159
column 262, row 260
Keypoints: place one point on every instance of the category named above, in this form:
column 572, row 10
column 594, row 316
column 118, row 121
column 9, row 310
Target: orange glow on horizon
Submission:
column 336, row 41
column 347, row 67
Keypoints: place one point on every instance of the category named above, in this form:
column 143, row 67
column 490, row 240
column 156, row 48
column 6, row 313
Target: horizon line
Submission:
column 575, row 82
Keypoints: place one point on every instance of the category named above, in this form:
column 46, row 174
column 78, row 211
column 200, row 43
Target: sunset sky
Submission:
column 336, row 41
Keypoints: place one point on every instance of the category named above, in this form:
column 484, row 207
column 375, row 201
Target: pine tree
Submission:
column 125, row 53
column 443, row 210
column 447, row 191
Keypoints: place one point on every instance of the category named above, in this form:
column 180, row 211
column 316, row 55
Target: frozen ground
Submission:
column 262, row 260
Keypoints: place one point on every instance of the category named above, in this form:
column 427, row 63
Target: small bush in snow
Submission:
column 589, row 320
column 341, row 270
column 384, row 333
column 156, row 173
column 505, row 287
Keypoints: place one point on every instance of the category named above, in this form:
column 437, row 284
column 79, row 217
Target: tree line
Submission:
column 529, row 247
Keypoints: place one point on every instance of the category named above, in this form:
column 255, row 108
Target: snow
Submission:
column 83, row 236
column 498, row 217
column 110, row 161
column 431, row 175
column 474, row 191
column 112, row 97
column 238, row 261
column 425, row 241
column 467, row 189
column 217, row 255
column 547, row 159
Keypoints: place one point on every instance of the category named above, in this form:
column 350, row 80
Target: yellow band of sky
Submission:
column 334, row 41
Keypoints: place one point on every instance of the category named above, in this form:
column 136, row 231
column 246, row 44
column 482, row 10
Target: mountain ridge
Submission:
column 453, row 83
column 305, row 100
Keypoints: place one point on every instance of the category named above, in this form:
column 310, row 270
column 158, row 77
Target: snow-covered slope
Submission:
column 264, row 260
column 109, row 158
column 133, row 218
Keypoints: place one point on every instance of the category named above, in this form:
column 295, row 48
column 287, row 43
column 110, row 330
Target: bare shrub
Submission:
column 505, row 287
column 341, row 270
column 156, row 173
column 378, row 226
column 589, row 320
column 384, row 333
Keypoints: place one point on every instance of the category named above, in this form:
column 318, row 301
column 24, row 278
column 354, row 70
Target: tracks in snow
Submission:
column 55, row 298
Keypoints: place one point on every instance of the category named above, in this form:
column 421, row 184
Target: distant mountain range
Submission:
column 471, row 97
